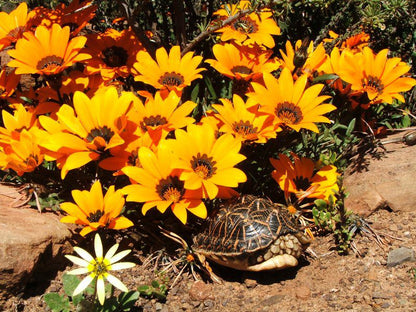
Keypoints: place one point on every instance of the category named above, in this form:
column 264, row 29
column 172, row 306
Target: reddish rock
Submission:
column 200, row 291
column 31, row 244
column 387, row 181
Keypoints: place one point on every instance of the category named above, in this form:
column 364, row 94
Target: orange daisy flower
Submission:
column 113, row 53
column 93, row 210
column 92, row 127
column 256, row 27
column 302, row 178
column 51, row 51
column 206, row 162
column 375, row 75
column 8, row 83
column 76, row 15
column 243, row 124
column 157, row 184
column 23, row 154
column 292, row 104
column 170, row 72
column 14, row 124
column 14, row 24
column 303, row 59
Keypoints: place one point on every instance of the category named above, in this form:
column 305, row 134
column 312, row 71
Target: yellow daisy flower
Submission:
column 244, row 124
column 291, row 104
column 302, row 178
column 14, row 24
column 303, row 58
column 207, row 161
column 93, row 210
column 51, row 51
column 242, row 62
column 376, row 75
column 170, row 72
column 157, row 184
column 256, row 27
column 92, row 127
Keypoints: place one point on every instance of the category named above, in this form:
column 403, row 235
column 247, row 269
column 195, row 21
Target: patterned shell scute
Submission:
column 248, row 226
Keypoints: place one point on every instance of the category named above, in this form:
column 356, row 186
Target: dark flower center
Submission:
column 244, row 128
column 288, row 113
column 170, row 189
column 115, row 56
column 133, row 159
column 245, row 25
column 50, row 62
column 302, row 183
column 241, row 69
column 171, row 79
column 95, row 216
column 373, row 83
column 203, row 165
column 104, row 132
column 153, row 121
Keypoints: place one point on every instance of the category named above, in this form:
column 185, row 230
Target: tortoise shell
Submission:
column 243, row 234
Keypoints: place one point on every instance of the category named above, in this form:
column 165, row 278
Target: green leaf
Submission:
column 210, row 88
column 350, row 128
column 325, row 77
column 57, row 302
column 194, row 93
column 128, row 299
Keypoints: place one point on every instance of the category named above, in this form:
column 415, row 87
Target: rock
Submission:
column 303, row 292
column 400, row 255
column 250, row 283
column 271, row 300
column 200, row 291
column 31, row 247
column 387, row 181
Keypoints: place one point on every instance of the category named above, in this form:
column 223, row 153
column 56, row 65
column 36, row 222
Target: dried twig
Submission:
column 212, row 28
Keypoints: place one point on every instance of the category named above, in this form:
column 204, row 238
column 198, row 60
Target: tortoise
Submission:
column 253, row 234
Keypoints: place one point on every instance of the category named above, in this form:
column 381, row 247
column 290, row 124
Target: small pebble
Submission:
column 303, row 292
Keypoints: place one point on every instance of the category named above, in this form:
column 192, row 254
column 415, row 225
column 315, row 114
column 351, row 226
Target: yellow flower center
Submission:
column 241, row 69
column 170, row 189
column 244, row 128
column 171, row 79
column 105, row 132
column 153, row 121
column 288, row 113
column 372, row 83
column 203, row 166
column 115, row 56
column 245, row 25
column 50, row 62
column 100, row 267
column 95, row 216
column 292, row 209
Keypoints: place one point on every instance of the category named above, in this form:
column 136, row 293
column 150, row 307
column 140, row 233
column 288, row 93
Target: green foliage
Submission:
column 57, row 302
column 81, row 302
column 157, row 289
column 124, row 302
column 332, row 217
column 412, row 271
